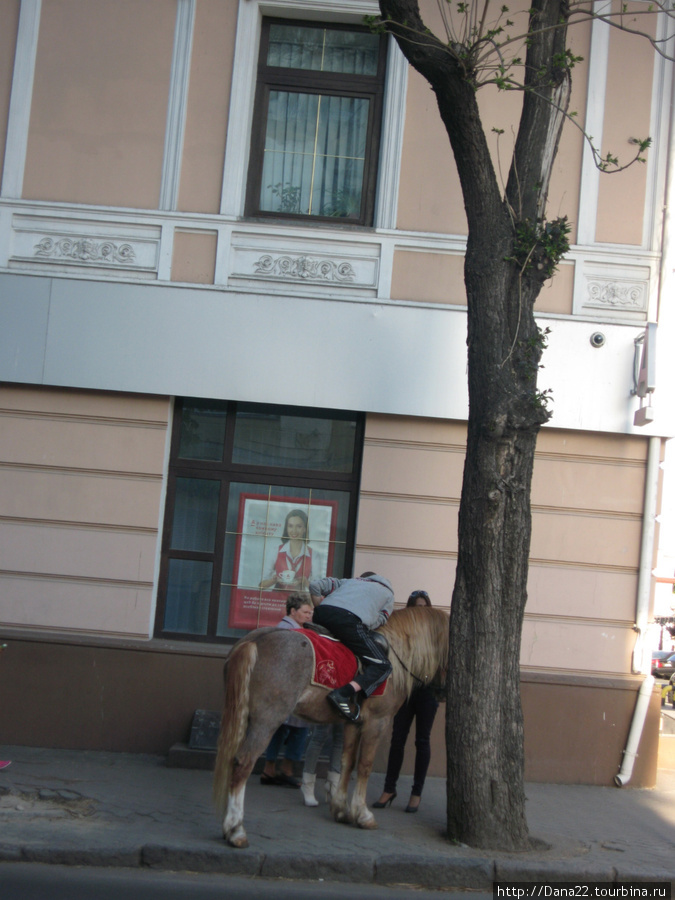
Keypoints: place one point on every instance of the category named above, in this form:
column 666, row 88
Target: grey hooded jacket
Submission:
column 371, row 598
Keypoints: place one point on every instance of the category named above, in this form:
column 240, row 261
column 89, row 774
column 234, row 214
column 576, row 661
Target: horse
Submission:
column 268, row 676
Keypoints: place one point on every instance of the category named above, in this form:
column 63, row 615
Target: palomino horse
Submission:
column 268, row 676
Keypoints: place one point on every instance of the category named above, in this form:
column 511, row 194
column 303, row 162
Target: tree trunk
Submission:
column 484, row 724
column 484, row 727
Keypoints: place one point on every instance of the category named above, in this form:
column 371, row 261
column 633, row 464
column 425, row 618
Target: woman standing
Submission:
column 421, row 706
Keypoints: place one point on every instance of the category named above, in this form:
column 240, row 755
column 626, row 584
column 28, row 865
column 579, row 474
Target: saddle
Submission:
column 334, row 663
column 319, row 629
column 379, row 638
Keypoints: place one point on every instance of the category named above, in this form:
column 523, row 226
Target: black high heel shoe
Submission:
column 412, row 809
column 379, row 805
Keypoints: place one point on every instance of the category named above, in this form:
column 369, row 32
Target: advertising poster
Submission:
column 282, row 545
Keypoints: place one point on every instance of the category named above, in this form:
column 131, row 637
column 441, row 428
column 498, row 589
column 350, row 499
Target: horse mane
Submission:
column 418, row 636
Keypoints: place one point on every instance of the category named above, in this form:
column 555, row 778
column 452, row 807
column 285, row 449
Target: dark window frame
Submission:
column 313, row 82
column 228, row 472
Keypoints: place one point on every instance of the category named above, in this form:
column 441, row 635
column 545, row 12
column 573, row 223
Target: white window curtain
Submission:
column 314, row 154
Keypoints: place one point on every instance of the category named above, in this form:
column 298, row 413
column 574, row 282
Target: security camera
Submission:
column 597, row 339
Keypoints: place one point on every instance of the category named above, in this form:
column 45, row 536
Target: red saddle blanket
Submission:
column 334, row 664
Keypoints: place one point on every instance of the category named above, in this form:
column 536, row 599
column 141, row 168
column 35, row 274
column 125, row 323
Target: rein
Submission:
column 403, row 665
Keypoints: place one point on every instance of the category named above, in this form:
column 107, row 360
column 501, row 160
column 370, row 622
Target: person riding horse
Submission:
column 269, row 675
column 350, row 609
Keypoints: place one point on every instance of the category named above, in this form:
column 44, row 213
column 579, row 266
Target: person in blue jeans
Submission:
column 293, row 733
column 421, row 706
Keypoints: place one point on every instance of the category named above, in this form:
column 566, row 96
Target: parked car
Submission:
column 663, row 663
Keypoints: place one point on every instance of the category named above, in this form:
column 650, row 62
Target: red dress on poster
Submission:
column 301, row 564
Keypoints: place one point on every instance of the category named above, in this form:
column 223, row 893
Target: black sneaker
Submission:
column 337, row 699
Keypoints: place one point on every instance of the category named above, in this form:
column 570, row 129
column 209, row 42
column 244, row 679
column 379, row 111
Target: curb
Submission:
column 411, row 869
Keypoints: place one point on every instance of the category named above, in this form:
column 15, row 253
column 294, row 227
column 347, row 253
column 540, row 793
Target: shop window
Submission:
column 317, row 116
column 260, row 501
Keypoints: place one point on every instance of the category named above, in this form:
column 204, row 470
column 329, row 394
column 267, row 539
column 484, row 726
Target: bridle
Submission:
column 420, row 682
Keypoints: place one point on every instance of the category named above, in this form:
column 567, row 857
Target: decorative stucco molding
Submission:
column 86, row 250
column 312, row 262
column 305, row 268
column 617, row 295
column 614, row 288
column 77, row 244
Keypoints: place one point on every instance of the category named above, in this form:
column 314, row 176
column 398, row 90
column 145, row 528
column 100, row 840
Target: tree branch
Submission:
column 546, row 97
column 455, row 92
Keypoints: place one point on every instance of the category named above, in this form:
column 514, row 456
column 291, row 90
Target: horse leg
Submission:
column 246, row 729
column 371, row 732
column 233, row 821
column 339, row 805
column 257, row 738
column 228, row 785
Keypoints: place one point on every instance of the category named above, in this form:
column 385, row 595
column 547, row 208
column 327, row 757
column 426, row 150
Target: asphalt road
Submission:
column 34, row 881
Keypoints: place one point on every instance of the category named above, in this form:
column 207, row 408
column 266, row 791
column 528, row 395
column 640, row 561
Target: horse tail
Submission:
column 238, row 669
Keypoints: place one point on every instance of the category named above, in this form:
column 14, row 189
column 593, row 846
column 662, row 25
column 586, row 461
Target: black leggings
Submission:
column 422, row 707
column 349, row 629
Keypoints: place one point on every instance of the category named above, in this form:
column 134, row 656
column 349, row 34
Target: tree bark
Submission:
column 484, row 724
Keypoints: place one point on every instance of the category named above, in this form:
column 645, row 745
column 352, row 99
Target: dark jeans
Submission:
column 349, row 629
column 422, row 707
column 295, row 739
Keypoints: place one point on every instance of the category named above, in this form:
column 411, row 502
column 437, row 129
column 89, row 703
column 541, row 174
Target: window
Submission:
column 317, row 119
column 260, row 500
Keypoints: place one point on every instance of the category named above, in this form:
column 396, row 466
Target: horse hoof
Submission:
column 369, row 823
column 237, row 839
column 239, row 843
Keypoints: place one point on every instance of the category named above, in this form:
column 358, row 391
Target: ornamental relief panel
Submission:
column 613, row 289
column 85, row 250
column 305, row 268
column 310, row 265
column 626, row 295
column 42, row 242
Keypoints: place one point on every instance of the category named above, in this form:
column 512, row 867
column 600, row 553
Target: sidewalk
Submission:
column 113, row 809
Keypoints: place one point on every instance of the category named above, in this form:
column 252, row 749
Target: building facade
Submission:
column 231, row 304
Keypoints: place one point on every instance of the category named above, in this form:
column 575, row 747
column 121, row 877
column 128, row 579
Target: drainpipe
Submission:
column 641, row 660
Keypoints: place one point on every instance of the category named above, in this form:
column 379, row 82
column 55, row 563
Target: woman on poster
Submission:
column 292, row 567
